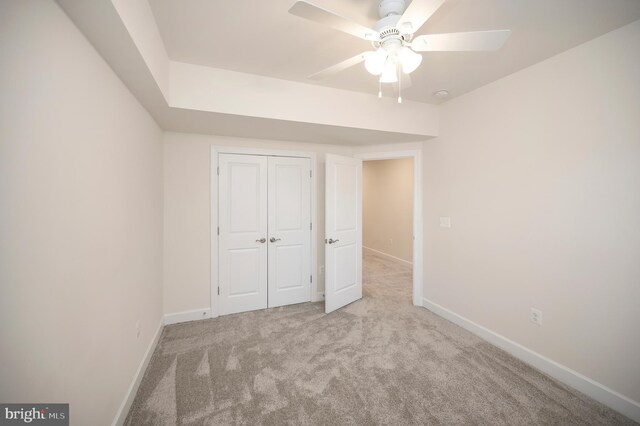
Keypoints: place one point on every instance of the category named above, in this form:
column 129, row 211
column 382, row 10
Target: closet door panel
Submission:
column 289, row 222
column 242, row 210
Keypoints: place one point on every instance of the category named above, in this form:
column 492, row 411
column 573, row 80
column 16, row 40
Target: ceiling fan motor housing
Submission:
column 391, row 7
column 390, row 36
column 390, row 12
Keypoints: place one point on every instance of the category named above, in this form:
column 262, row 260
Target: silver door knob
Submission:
column 331, row 241
column 273, row 239
column 261, row 240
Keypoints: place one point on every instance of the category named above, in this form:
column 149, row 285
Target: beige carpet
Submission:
column 379, row 361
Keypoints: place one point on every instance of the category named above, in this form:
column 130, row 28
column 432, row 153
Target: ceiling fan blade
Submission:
column 452, row 42
column 417, row 14
column 318, row 14
column 341, row 66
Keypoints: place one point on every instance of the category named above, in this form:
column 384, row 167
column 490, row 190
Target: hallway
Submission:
column 386, row 280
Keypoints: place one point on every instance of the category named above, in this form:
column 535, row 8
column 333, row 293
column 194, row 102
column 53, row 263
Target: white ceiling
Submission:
column 261, row 37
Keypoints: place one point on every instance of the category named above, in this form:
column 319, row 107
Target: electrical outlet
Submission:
column 322, row 269
column 536, row 316
column 138, row 329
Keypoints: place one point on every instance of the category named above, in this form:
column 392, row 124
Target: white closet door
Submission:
column 343, row 231
column 289, row 231
column 243, row 233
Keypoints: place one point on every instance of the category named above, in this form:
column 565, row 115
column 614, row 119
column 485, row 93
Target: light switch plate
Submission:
column 445, row 222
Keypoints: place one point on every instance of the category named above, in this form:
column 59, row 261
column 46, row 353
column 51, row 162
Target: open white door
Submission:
column 343, row 231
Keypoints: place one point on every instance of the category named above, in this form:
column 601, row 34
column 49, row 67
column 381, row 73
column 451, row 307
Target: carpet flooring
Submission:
column 379, row 361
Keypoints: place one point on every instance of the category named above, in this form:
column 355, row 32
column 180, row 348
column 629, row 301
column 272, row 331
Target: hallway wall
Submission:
column 387, row 223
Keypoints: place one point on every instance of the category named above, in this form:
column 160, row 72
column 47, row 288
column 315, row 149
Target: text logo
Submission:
column 34, row 414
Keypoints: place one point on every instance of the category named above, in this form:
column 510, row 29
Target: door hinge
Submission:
column 218, row 171
column 218, row 291
column 310, row 278
column 311, row 226
column 310, row 173
column 218, row 230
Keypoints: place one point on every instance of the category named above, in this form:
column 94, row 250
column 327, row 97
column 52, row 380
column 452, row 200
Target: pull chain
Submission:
column 399, row 86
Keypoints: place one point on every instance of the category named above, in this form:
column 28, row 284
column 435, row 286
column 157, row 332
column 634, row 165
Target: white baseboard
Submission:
column 178, row 317
column 595, row 390
column 121, row 415
column 388, row 256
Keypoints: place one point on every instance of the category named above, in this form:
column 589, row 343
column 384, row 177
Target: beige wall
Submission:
column 387, row 222
column 187, row 229
column 80, row 219
column 540, row 174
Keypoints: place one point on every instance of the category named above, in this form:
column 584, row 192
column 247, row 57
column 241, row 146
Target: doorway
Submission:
column 392, row 224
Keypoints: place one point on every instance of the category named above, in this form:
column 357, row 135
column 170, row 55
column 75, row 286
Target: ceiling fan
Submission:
column 394, row 53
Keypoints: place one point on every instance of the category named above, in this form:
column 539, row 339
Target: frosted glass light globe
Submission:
column 409, row 60
column 375, row 61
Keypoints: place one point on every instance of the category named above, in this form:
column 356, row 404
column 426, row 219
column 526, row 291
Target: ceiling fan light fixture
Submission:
column 390, row 74
column 375, row 61
column 397, row 52
column 409, row 60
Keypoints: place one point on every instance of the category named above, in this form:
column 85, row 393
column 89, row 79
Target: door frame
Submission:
column 416, row 155
column 213, row 213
